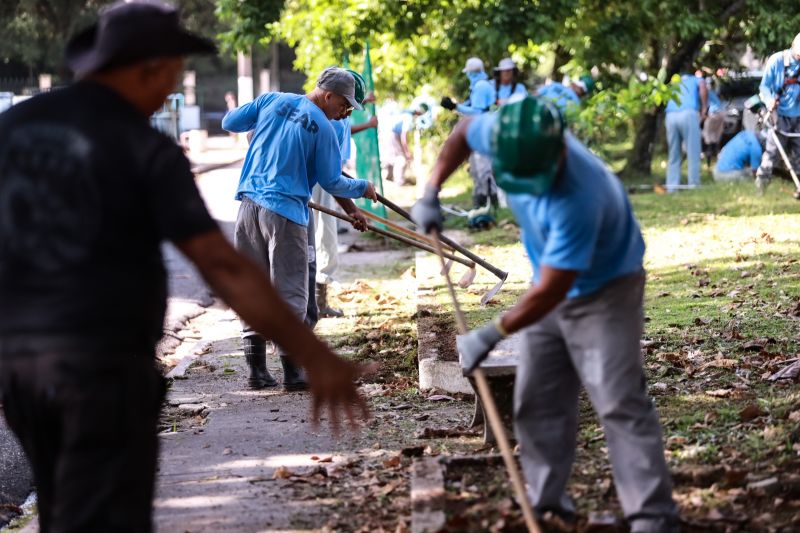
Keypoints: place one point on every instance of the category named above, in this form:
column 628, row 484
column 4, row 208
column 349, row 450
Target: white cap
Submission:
column 506, row 64
column 474, row 64
column 796, row 45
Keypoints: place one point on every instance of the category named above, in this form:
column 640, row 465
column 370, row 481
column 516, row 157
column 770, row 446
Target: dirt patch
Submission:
column 479, row 497
column 439, row 337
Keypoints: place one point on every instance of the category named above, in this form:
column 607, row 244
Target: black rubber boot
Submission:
column 255, row 353
column 325, row 311
column 294, row 379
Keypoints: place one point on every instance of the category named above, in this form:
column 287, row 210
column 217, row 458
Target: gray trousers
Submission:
column 791, row 146
column 484, row 186
column 594, row 341
column 280, row 247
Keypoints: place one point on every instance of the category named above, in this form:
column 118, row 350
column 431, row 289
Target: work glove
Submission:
column 475, row 345
column 427, row 212
column 447, row 103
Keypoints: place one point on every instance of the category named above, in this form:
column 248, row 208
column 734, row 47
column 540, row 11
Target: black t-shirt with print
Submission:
column 88, row 191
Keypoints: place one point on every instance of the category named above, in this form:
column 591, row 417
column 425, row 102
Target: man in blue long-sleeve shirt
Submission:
column 293, row 147
column 780, row 92
column 482, row 97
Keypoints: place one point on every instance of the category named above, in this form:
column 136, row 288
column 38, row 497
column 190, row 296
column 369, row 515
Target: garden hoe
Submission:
column 465, row 280
column 454, row 245
column 490, row 409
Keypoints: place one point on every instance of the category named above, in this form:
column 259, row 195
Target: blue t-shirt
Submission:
column 584, row 223
column 294, row 146
column 344, row 133
column 504, row 92
column 689, row 95
column 481, row 95
column 561, row 95
column 772, row 82
column 714, row 103
column 740, row 151
column 403, row 122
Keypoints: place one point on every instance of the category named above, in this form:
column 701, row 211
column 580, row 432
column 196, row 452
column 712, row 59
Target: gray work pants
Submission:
column 594, row 341
column 791, row 145
column 312, row 311
column 280, row 247
column 484, row 186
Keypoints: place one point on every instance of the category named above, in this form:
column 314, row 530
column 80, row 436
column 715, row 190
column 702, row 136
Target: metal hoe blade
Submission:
column 467, row 279
column 493, row 291
column 447, row 267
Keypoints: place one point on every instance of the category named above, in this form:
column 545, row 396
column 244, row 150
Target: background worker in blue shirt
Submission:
column 481, row 99
column 325, row 260
column 567, row 97
column 742, row 150
column 582, row 319
column 506, row 81
column 780, row 92
column 683, row 128
column 293, row 147
column 403, row 123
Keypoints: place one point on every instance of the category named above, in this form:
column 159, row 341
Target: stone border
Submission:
column 428, row 490
column 427, row 495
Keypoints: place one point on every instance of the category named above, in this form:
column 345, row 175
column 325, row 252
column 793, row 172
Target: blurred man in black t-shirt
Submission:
column 88, row 191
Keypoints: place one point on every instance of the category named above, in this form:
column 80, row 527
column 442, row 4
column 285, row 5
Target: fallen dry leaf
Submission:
column 440, row 398
column 751, row 412
column 392, row 462
column 282, row 473
column 719, row 393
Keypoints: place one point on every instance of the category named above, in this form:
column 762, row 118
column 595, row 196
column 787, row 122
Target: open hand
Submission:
column 331, row 382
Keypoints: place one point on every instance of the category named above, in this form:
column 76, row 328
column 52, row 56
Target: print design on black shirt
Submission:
column 293, row 115
column 49, row 203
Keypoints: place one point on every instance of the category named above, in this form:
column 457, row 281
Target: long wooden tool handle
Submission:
column 448, row 241
column 490, row 408
column 405, row 240
column 402, row 229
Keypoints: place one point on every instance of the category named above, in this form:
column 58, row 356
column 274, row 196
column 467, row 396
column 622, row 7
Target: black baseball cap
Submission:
column 132, row 31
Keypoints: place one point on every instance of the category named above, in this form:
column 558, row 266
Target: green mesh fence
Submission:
column 368, row 157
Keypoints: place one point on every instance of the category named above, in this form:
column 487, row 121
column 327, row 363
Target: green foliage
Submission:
column 775, row 25
column 36, row 31
column 246, row 22
column 609, row 115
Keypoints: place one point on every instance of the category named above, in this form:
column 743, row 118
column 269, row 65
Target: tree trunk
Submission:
column 640, row 158
column 562, row 57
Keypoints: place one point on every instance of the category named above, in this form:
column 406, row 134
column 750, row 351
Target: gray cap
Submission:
column 338, row 80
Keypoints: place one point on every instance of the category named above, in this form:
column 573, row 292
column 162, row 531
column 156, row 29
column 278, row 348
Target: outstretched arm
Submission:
column 241, row 284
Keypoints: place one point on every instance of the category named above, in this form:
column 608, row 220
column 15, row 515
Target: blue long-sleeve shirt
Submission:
column 481, row 95
column 504, row 92
column 294, row 147
column 773, row 81
column 561, row 95
column 740, row 151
